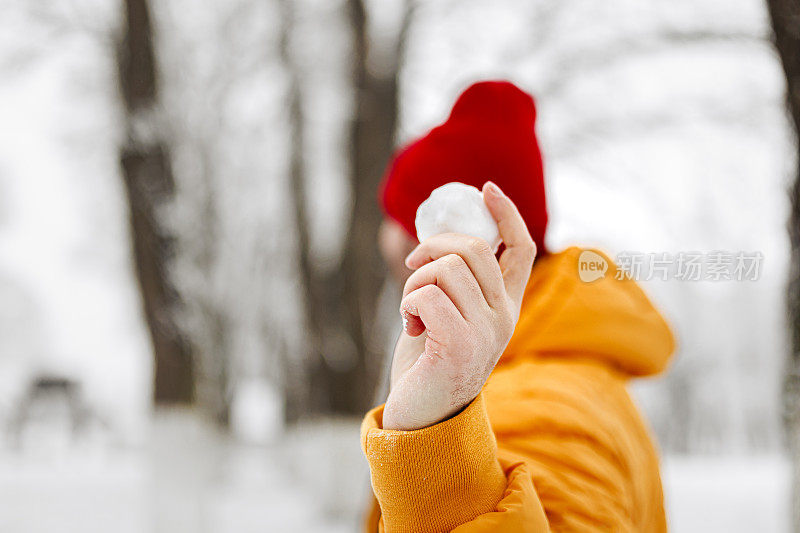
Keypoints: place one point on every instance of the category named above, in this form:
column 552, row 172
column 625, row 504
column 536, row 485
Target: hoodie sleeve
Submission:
column 448, row 477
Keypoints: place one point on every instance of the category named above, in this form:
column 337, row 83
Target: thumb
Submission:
column 516, row 260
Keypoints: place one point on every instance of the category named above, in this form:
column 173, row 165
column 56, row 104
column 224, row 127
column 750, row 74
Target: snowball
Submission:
column 457, row 208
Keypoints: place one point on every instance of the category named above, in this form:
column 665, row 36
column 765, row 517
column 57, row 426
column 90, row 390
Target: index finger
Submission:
column 516, row 260
column 475, row 252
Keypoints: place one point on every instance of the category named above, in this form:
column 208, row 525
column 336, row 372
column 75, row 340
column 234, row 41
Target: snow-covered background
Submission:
column 662, row 129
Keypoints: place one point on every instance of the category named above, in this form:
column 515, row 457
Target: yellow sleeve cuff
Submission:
column 435, row 478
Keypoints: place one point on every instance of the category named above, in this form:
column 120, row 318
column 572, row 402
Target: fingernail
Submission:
column 493, row 189
column 408, row 257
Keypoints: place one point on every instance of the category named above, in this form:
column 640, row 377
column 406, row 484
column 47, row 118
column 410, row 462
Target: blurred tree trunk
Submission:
column 362, row 272
column 296, row 384
column 344, row 341
column 785, row 17
column 145, row 163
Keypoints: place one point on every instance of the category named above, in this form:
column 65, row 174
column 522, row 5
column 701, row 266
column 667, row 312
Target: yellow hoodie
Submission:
column 553, row 442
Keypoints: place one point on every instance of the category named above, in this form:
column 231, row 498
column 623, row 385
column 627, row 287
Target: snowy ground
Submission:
column 187, row 479
column 729, row 494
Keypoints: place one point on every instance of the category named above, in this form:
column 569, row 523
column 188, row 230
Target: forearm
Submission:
column 436, row 478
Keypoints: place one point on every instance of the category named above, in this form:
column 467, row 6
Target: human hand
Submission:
column 459, row 309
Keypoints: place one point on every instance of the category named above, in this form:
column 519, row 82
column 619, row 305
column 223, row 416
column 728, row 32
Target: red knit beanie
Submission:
column 488, row 136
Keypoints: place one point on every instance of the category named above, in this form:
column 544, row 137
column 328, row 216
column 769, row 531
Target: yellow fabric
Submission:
column 554, row 442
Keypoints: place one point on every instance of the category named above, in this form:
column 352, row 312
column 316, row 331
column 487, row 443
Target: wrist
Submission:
column 431, row 391
column 409, row 417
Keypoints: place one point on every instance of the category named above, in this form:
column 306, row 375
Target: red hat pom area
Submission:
column 489, row 135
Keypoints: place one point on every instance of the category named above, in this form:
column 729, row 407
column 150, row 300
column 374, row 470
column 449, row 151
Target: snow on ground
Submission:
column 188, row 478
column 727, row 494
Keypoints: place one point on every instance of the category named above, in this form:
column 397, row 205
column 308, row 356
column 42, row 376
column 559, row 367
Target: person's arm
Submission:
column 444, row 477
column 448, row 477
column 432, row 454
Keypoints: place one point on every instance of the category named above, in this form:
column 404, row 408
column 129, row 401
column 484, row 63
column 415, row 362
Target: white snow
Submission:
column 457, row 208
column 256, row 415
column 727, row 494
column 190, row 479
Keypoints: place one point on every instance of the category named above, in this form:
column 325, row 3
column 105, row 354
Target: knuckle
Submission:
column 435, row 298
column 429, row 292
column 529, row 246
column 454, row 262
column 457, row 271
column 480, row 247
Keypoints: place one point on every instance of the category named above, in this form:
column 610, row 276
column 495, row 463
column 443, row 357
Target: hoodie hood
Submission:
column 607, row 320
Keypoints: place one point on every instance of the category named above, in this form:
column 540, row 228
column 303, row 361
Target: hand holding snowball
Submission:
column 459, row 309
